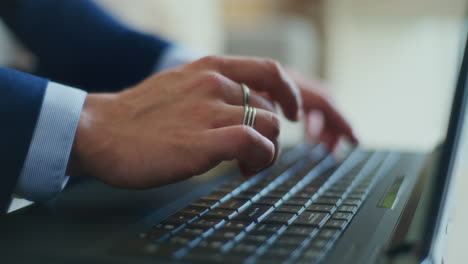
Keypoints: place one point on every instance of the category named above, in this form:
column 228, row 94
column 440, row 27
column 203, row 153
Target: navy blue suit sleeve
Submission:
column 21, row 97
column 79, row 44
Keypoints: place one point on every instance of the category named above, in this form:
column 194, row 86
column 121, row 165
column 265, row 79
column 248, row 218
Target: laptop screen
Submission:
column 443, row 180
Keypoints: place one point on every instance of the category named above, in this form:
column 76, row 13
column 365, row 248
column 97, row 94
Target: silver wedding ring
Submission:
column 250, row 116
column 250, row 113
column 246, row 91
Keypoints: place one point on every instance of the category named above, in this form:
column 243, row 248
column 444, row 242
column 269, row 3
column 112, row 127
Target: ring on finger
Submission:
column 246, row 91
column 250, row 116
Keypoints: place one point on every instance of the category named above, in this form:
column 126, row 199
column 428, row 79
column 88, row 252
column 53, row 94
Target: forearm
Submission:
column 79, row 44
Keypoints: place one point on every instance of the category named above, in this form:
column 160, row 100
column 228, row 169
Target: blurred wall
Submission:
column 198, row 24
column 393, row 65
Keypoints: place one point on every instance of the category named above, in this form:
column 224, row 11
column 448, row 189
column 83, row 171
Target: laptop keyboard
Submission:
column 291, row 213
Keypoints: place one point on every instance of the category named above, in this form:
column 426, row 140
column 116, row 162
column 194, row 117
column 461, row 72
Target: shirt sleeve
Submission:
column 43, row 174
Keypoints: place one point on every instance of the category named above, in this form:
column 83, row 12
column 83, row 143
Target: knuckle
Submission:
column 275, row 125
column 211, row 60
column 245, row 138
column 212, row 81
column 274, row 67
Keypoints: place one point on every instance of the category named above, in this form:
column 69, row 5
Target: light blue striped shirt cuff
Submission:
column 44, row 172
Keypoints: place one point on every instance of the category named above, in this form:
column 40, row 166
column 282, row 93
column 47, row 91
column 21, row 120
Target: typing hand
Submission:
column 183, row 122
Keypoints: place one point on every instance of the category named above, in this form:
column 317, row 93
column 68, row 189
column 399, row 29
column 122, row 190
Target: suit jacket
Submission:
column 76, row 43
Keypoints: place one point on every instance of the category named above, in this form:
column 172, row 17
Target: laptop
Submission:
column 358, row 206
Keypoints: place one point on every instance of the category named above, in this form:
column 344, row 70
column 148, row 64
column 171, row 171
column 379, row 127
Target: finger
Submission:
column 242, row 143
column 331, row 139
column 236, row 97
column 332, row 116
column 262, row 75
column 314, row 124
column 233, row 93
column 267, row 123
column 259, row 101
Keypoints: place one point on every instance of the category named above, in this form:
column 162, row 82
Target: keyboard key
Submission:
column 194, row 232
column 312, row 219
column 227, row 188
column 253, row 212
column 256, row 188
column 290, row 240
column 320, row 243
column 276, row 193
column 327, row 200
column 296, row 201
column 245, row 248
column 222, row 213
column 180, row 218
column 357, row 195
column 194, row 210
column 238, row 225
column 312, row 255
column 207, row 222
column 338, row 224
column 347, row 208
column 204, row 203
column 283, row 188
column 233, row 204
column 309, row 191
column 355, row 202
column 245, row 195
column 342, row 216
column 302, row 195
column 288, row 209
column 256, row 238
column 210, row 245
column 263, row 228
column 279, row 218
column 216, row 195
column 333, row 194
column 328, row 233
column 226, row 233
column 268, row 200
column 278, row 252
column 338, row 188
column 178, row 240
column 168, row 227
column 326, row 208
column 300, row 230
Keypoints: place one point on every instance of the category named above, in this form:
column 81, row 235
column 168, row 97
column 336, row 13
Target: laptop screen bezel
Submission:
column 446, row 163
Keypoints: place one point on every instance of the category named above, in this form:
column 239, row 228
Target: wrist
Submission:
column 90, row 138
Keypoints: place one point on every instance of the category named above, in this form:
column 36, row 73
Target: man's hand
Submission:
column 184, row 121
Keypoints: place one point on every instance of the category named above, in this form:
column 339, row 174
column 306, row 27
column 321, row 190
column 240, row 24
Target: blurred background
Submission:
column 391, row 65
